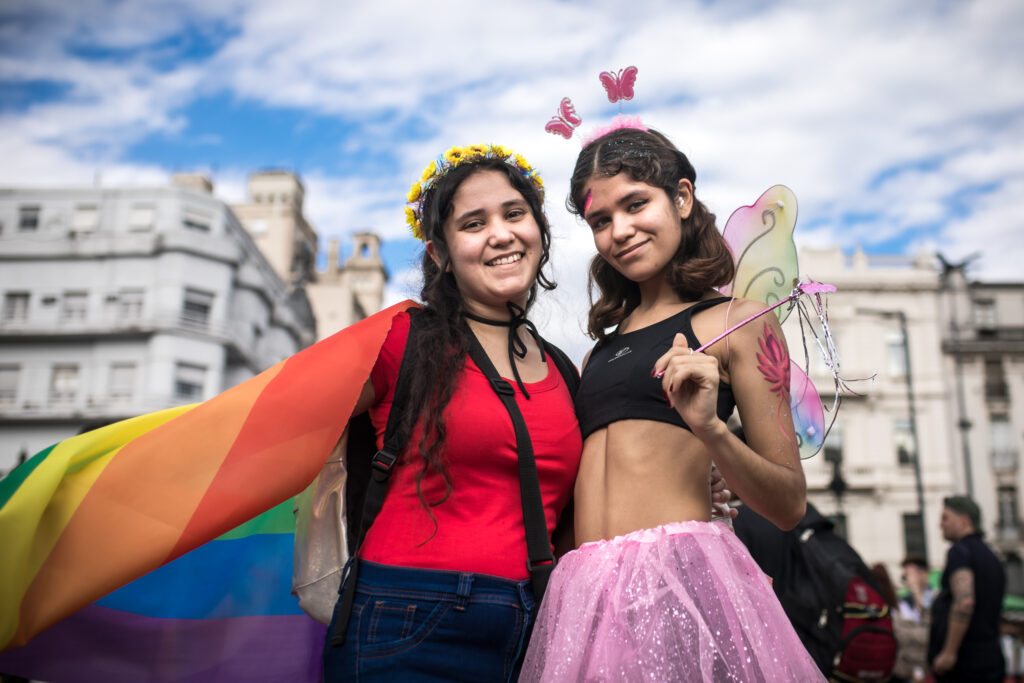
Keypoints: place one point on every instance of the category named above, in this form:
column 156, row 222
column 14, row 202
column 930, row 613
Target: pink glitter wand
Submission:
column 807, row 287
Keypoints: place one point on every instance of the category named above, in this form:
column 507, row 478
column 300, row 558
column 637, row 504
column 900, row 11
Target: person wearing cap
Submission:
column 964, row 639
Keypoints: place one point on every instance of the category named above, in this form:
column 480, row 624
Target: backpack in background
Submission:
column 835, row 606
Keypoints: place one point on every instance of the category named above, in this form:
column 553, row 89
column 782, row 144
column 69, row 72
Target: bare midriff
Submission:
column 639, row 474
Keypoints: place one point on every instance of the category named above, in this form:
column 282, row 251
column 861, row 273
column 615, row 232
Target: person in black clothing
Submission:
column 964, row 640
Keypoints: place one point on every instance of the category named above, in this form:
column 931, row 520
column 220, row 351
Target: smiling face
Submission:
column 637, row 228
column 494, row 244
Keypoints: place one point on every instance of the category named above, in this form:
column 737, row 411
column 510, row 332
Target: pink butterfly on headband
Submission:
column 619, row 85
column 565, row 121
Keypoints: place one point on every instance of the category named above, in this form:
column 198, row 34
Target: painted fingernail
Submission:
column 660, row 375
column 654, row 371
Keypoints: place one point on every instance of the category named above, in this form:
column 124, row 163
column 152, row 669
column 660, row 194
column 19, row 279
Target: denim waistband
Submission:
column 374, row 577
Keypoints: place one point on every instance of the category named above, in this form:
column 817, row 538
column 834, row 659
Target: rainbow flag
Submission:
column 94, row 513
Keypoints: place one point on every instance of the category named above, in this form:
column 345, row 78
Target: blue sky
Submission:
column 898, row 123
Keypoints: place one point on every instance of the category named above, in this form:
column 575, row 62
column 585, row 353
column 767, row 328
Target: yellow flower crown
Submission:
column 455, row 156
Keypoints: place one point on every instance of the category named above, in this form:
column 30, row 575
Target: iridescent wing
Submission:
column 761, row 239
column 808, row 413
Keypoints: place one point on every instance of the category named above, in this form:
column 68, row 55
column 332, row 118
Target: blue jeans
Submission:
column 431, row 625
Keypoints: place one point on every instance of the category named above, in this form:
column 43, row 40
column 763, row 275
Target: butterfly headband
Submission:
column 619, row 87
column 457, row 156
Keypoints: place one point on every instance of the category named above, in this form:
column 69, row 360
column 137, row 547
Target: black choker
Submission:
column 516, row 347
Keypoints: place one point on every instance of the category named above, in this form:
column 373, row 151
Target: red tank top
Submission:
column 480, row 526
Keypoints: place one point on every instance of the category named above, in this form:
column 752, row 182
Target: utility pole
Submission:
column 948, row 269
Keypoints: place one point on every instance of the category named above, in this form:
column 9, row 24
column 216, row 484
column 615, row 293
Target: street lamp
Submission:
column 912, row 410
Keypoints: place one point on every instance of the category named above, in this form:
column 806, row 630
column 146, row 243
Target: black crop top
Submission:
column 617, row 383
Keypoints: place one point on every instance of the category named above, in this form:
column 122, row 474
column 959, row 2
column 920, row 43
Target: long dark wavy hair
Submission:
column 443, row 339
column 703, row 259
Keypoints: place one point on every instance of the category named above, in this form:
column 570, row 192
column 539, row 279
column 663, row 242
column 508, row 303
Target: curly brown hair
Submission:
column 703, row 259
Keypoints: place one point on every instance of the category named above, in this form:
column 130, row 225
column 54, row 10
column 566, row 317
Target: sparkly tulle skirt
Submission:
column 681, row 602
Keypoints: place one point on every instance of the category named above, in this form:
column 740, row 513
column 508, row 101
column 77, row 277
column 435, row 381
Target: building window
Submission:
column 984, row 311
column 64, row 384
column 896, row 351
column 913, row 534
column 195, row 310
column 995, row 380
column 86, row 218
column 1002, row 444
column 129, row 304
column 28, row 218
column 142, row 217
column 188, row 381
column 122, row 381
column 1008, row 507
column 16, row 307
column 1014, row 574
column 833, row 447
column 258, row 226
column 197, row 224
column 9, row 384
column 903, row 439
column 74, row 306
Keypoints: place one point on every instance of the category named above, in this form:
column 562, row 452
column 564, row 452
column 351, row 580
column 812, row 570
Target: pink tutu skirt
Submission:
column 681, row 602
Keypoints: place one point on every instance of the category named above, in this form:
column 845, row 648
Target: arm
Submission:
column 367, row 397
column 765, row 472
column 961, row 583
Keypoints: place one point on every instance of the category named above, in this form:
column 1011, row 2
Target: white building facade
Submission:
column 891, row 319
column 117, row 302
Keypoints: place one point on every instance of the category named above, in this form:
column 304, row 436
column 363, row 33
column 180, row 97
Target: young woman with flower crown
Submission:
column 443, row 591
column 656, row 591
column 444, row 588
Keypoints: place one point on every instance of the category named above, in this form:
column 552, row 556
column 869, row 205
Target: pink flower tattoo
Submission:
column 773, row 362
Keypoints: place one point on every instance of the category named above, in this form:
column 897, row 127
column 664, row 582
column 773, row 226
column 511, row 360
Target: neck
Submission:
column 499, row 312
column 657, row 293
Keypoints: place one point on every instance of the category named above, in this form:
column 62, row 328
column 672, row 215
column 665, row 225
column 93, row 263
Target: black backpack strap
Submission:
column 381, row 465
column 540, row 560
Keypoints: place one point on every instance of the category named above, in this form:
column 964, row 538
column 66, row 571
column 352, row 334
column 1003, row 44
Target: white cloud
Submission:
column 886, row 110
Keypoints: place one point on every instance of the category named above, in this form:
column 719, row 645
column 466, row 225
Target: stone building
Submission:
column 345, row 293
column 340, row 294
column 121, row 301
column 931, row 397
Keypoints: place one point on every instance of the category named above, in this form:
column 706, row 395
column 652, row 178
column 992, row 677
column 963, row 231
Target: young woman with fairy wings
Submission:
column 654, row 589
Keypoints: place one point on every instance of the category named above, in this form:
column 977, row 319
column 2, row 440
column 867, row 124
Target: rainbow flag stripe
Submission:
column 95, row 512
column 221, row 612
